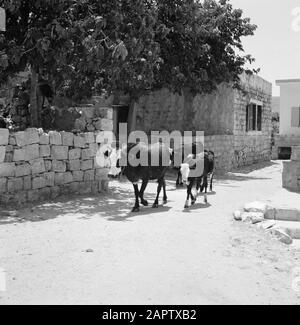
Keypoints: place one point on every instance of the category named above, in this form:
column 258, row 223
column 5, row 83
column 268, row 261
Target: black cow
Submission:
column 146, row 173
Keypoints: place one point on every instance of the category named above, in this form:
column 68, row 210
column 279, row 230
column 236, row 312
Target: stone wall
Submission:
column 291, row 171
column 221, row 115
column 254, row 146
column 38, row 166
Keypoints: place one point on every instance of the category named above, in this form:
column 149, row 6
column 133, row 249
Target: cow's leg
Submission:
column 141, row 195
column 193, row 198
column 165, row 198
column 179, row 179
column 211, row 182
column 159, row 186
column 205, row 185
column 189, row 194
column 136, row 207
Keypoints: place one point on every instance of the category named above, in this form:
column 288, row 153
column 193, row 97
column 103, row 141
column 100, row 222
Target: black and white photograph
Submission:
column 149, row 155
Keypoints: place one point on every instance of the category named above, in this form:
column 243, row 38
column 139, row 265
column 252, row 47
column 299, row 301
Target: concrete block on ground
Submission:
column 287, row 214
column 281, row 235
column 59, row 152
column 4, row 135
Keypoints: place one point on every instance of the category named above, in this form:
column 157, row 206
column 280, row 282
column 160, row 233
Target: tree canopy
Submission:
column 85, row 46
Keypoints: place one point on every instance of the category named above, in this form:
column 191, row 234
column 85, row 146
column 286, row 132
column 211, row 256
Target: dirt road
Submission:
column 94, row 251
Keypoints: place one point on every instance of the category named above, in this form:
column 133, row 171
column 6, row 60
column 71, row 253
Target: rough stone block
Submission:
column 94, row 147
column 68, row 178
column 79, row 141
column 104, row 125
column 9, row 148
column 44, row 150
column 89, row 175
column 48, row 165
column 55, row 138
column 77, row 176
column 4, row 134
column 49, row 177
column 27, row 183
column 73, row 165
column 86, row 165
column 31, row 136
column 22, row 170
column 59, row 178
column 7, row 169
column 38, row 182
column 32, row 152
column 74, row 154
column 59, row 152
column 19, row 155
column 89, row 137
column 2, row 153
column 3, row 184
column 67, row 139
column 86, row 154
column 21, row 140
column 15, row 185
column 59, row 166
column 37, row 166
column 44, row 139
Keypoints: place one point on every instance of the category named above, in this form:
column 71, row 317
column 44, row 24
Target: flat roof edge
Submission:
column 286, row 81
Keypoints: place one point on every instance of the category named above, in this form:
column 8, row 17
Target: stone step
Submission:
column 291, row 228
column 284, row 213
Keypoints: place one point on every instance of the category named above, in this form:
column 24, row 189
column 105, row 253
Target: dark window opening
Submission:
column 254, row 118
column 284, row 153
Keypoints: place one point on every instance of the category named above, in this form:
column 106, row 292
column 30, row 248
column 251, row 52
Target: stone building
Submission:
column 289, row 133
column 237, row 123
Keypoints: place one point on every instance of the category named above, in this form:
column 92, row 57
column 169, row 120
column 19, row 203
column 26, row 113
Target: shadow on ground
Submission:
column 117, row 204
